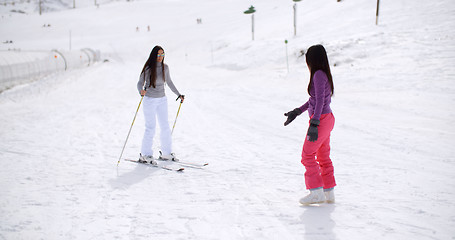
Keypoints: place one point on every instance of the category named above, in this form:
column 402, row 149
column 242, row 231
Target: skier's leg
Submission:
column 165, row 130
column 312, row 172
column 313, row 178
column 149, row 109
column 323, row 154
column 325, row 163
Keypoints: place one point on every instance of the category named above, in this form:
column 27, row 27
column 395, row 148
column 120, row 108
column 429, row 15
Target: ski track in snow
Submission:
column 392, row 145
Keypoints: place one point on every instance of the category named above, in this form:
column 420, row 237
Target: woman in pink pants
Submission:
column 319, row 177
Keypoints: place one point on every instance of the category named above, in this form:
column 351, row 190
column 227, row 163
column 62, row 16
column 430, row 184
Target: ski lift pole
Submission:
column 377, row 12
column 295, row 16
column 134, row 119
column 178, row 111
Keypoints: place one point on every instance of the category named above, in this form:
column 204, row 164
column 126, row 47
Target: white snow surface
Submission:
column 392, row 146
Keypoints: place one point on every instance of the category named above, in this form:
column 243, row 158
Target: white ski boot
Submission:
column 315, row 196
column 171, row 157
column 329, row 195
column 147, row 159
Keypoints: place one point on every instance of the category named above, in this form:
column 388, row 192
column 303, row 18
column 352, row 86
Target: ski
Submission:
column 190, row 164
column 185, row 164
column 158, row 166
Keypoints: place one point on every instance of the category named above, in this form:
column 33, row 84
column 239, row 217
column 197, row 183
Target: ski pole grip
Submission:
column 144, row 89
column 181, row 98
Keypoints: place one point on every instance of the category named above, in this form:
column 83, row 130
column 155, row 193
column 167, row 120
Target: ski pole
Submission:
column 181, row 101
column 121, row 154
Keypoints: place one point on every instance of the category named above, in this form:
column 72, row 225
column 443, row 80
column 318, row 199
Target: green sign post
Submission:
column 287, row 61
column 251, row 11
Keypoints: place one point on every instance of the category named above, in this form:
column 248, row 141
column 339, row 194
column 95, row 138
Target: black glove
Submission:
column 292, row 115
column 312, row 134
column 182, row 97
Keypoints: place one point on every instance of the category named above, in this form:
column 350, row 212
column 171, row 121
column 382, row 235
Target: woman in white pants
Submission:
column 154, row 75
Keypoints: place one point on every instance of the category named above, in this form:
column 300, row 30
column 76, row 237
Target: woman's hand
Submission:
column 143, row 92
column 312, row 134
column 292, row 115
column 181, row 97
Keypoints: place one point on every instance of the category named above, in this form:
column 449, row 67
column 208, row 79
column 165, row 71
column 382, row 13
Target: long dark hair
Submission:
column 151, row 63
column 316, row 59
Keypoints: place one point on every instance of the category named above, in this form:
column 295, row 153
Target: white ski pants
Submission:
column 156, row 108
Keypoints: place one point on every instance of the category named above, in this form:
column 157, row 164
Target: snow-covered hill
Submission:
column 392, row 145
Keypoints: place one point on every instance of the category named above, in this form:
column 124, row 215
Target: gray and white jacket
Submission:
column 158, row 91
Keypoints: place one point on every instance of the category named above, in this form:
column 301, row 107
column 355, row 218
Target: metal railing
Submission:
column 19, row 67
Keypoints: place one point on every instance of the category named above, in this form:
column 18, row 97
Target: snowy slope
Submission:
column 392, row 145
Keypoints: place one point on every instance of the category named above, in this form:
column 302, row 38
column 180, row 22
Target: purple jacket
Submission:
column 319, row 102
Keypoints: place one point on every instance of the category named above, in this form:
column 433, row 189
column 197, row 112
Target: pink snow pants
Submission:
column 316, row 156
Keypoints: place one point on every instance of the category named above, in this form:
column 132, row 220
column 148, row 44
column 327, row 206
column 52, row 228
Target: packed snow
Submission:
column 392, row 145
